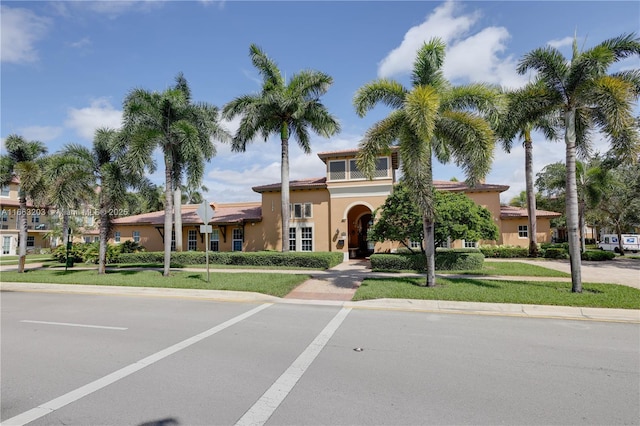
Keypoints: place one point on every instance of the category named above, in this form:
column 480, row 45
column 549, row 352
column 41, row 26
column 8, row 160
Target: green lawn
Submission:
column 487, row 290
column 267, row 283
column 515, row 269
column 31, row 258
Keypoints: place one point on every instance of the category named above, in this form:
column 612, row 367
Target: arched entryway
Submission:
column 359, row 220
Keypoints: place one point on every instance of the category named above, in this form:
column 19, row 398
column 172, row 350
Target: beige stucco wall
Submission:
column 509, row 231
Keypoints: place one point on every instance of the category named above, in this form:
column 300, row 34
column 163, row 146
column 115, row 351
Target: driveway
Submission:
column 618, row 271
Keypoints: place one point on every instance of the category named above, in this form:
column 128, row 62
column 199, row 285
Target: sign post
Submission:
column 205, row 213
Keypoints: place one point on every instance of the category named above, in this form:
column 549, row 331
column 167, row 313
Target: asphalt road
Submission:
column 123, row 360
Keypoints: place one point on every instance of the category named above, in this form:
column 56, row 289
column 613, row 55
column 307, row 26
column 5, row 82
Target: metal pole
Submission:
column 206, row 238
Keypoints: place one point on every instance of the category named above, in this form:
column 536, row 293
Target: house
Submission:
column 41, row 221
column 329, row 213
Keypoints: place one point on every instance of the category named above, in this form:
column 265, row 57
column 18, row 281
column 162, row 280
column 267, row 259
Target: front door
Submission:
column 6, row 245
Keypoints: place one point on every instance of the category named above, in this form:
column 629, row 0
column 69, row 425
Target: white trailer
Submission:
column 630, row 242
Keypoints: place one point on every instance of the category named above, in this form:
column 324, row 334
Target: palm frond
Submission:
column 268, row 69
column 551, row 66
column 309, row 84
column 427, row 68
column 389, row 92
column 377, row 140
column 421, row 107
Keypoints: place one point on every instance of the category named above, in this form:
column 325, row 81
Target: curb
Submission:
column 434, row 306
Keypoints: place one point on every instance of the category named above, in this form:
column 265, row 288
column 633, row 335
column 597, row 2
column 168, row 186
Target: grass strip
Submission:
column 490, row 291
column 267, row 283
column 515, row 269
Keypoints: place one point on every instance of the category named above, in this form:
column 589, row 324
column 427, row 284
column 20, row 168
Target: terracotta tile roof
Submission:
column 507, row 212
column 310, row 183
column 445, row 185
column 232, row 214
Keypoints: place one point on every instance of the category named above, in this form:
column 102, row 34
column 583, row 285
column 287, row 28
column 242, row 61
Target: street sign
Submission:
column 205, row 212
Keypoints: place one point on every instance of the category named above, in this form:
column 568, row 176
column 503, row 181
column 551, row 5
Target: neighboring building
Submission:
column 331, row 213
column 38, row 222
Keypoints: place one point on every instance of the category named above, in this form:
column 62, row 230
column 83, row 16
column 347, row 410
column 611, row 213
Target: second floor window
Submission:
column 4, row 191
column 300, row 210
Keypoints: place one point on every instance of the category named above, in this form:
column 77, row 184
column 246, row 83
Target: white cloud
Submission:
column 21, row 29
column 84, row 42
column 99, row 114
column 441, row 23
column 41, row 133
column 474, row 58
column 563, row 42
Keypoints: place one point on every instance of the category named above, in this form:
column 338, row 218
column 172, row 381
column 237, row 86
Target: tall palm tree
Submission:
column 182, row 129
column 432, row 118
column 513, row 125
column 104, row 168
column 24, row 160
column 285, row 109
column 69, row 186
column 588, row 98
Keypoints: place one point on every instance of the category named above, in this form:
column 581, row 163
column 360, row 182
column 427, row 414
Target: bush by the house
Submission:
column 446, row 260
column 555, row 253
column 504, row 252
column 597, row 255
column 89, row 252
column 315, row 260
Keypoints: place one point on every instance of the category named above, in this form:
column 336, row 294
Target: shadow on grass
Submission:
column 477, row 283
column 197, row 277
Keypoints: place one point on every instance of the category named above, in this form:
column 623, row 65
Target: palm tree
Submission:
column 105, row 170
column 181, row 129
column 69, row 186
column 512, row 125
column 286, row 109
column 24, row 160
column 193, row 195
column 588, row 98
column 430, row 118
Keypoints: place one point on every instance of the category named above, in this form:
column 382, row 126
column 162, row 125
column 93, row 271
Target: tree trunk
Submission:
column 620, row 242
column 168, row 212
column 177, row 207
column 284, row 182
column 22, row 246
column 531, row 196
column 572, row 201
column 429, row 249
column 581, row 209
column 104, row 238
column 65, row 227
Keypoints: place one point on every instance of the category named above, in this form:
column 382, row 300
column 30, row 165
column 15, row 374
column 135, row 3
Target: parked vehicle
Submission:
column 630, row 242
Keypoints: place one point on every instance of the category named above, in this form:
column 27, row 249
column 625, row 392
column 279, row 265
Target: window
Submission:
column 470, row 244
column 415, row 244
column 192, row 240
column 4, row 191
column 116, row 236
column 337, row 170
column 88, row 220
column 173, row 240
column 4, row 216
column 35, row 218
column 6, row 245
column 354, row 172
column 307, row 238
column 301, row 210
column 523, row 231
column 237, row 239
column 292, row 239
column 382, row 168
column 301, row 238
column 214, row 245
column 136, row 236
column 87, row 240
column 96, row 239
column 31, row 241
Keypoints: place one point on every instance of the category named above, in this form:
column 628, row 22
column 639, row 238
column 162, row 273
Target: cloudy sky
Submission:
column 67, row 66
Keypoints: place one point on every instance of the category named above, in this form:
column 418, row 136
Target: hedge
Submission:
column 504, row 251
column 315, row 260
column 597, row 255
column 446, row 260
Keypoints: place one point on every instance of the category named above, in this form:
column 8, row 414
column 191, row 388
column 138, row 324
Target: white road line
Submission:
column 48, row 407
column 260, row 412
column 75, row 325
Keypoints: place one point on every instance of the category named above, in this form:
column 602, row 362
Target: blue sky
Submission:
column 67, row 66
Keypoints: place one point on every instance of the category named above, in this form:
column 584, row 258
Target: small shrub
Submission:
column 504, row 252
column 555, row 253
column 597, row 255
